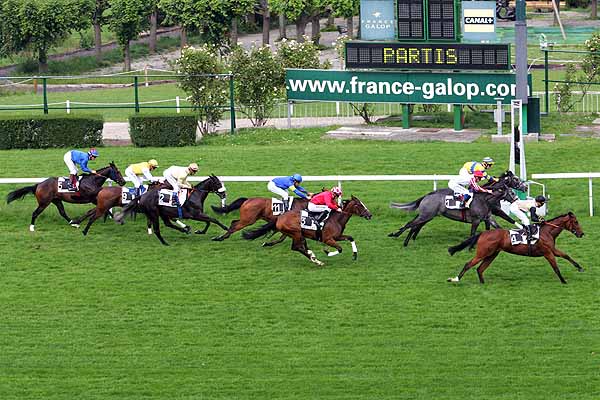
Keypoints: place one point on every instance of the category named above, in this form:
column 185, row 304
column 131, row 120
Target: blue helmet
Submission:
column 297, row 177
column 93, row 152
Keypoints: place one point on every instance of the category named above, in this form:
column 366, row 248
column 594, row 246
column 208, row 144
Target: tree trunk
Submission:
column 557, row 2
column 233, row 35
column 330, row 21
column 127, row 54
column 350, row 26
column 266, row 21
column 594, row 9
column 97, row 40
column 301, row 28
column 315, row 29
column 42, row 61
column 282, row 30
column 153, row 26
column 183, row 35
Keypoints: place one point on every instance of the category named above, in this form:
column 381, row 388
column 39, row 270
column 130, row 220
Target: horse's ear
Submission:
column 571, row 214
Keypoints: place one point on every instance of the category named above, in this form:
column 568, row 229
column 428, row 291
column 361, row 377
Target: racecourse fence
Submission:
column 575, row 175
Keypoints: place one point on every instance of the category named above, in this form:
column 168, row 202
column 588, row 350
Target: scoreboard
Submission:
column 456, row 56
column 426, row 19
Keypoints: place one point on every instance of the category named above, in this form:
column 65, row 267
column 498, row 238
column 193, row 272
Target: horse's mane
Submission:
column 560, row 216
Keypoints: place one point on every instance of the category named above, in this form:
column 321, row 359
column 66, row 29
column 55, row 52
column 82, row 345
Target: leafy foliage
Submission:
column 162, row 131
column 345, row 8
column 294, row 54
column 207, row 92
column 37, row 25
column 259, row 78
column 127, row 18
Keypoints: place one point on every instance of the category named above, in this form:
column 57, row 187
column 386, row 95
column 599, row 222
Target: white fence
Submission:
column 575, row 175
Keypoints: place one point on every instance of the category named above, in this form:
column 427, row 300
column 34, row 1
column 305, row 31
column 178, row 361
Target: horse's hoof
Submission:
column 149, row 231
column 392, row 235
column 455, row 279
column 355, row 256
column 74, row 225
column 581, row 270
column 217, row 239
column 31, row 228
column 199, row 232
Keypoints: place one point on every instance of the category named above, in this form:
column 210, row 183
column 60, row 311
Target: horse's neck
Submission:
column 554, row 229
column 202, row 193
column 97, row 180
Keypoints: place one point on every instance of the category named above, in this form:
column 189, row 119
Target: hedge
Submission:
column 42, row 132
column 163, row 130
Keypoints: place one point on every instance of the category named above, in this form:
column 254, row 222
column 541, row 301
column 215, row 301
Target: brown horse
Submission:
column 47, row 192
column 491, row 243
column 289, row 225
column 251, row 210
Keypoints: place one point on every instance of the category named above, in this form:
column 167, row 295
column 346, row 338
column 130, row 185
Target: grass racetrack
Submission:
column 117, row 315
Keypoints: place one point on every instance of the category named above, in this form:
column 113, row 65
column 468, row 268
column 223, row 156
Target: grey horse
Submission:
column 481, row 209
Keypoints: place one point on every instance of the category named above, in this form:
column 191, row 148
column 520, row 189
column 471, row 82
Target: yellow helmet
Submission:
column 193, row 166
column 153, row 163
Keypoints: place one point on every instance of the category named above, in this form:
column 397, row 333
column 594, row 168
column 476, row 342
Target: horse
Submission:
column 193, row 208
column 482, row 206
column 46, row 192
column 289, row 224
column 491, row 243
column 108, row 197
column 251, row 210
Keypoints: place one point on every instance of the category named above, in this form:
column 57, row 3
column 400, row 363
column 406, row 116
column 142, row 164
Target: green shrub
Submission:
column 42, row 132
column 163, row 130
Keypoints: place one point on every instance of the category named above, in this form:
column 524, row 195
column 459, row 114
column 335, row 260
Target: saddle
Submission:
column 455, row 202
column 65, row 186
column 129, row 193
column 166, row 198
column 519, row 236
column 308, row 221
column 277, row 206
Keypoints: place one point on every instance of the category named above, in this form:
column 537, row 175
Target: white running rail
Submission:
column 574, row 175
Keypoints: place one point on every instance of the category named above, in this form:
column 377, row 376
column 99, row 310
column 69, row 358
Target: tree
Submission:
column 153, row 5
column 180, row 12
column 98, row 20
column 266, row 13
column 127, row 18
column 301, row 11
column 346, row 9
column 38, row 25
column 594, row 6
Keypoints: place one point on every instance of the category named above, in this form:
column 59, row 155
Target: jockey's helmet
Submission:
column 336, row 190
column 93, row 152
column 297, row 177
column 540, row 199
column 478, row 174
column 153, row 163
column 488, row 162
column 193, row 167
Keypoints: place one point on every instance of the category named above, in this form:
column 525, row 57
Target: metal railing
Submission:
column 575, row 175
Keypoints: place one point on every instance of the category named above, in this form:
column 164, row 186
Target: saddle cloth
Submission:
column 277, row 205
column 452, row 203
column 64, row 183
column 128, row 193
column 519, row 236
column 307, row 221
column 166, row 198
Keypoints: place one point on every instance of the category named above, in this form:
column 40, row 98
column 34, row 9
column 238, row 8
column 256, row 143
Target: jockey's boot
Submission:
column 286, row 204
column 138, row 192
column 529, row 233
column 73, row 180
column 468, row 198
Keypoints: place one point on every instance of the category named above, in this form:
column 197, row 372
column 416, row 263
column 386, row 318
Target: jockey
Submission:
column 469, row 168
column 519, row 207
column 135, row 171
column 76, row 157
column 325, row 201
column 460, row 184
column 177, row 176
column 281, row 185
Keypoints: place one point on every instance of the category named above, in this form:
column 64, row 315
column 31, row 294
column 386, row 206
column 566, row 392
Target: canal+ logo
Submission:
column 479, row 20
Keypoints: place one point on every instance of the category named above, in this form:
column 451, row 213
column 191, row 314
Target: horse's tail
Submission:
column 127, row 210
column 409, row 206
column 231, row 207
column 20, row 193
column 258, row 232
column 470, row 243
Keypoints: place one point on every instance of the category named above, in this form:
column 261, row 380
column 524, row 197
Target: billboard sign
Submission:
column 377, row 20
column 479, row 21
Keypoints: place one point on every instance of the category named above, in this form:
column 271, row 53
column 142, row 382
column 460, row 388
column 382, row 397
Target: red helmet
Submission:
column 478, row 174
column 336, row 190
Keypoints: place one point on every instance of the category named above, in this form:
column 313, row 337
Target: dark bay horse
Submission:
column 481, row 209
column 251, row 210
column 491, row 243
column 47, row 192
column 333, row 231
column 193, row 208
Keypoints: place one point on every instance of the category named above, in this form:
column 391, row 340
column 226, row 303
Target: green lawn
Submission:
column 116, row 315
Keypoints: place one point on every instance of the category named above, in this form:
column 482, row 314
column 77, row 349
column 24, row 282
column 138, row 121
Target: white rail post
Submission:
column 289, row 114
column 340, row 185
column 591, row 197
column 434, row 183
column 146, row 75
column 177, row 104
column 68, row 107
column 337, row 108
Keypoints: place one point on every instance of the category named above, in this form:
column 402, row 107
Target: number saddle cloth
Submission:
column 129, row 193
column 166, row 198
column 454, row 202
column 64, row 184
column 519, row 236
column 277, row 205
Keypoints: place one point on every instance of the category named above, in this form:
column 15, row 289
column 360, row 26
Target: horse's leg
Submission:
column 416, row 232
column 203, row 231
column 61, row 209
column 169, row 224
column 237, row 225
column 108, row 214
column 474, row 225
column 408, row 225
column 199, row 216
column 97, row 214
column 41, row 207
column 470, row 264
column 561, row 254
column 352, row 242
column 274, row 242
column 552, row 260
column 331, row 242
column 299, row 245
column 153, row 216
column 85, row 216
column 486, row 263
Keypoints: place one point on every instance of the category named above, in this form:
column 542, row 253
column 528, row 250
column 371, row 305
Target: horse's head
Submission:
column 513, row 181
column 214, row 185
column 572, row 225
column 115, row 174
column 356, row 207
